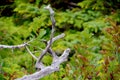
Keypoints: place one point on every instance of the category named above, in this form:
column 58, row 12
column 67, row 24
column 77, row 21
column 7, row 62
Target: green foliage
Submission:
column 98, row 4
column 16, row 66
column 80, row 19
column 94, row 53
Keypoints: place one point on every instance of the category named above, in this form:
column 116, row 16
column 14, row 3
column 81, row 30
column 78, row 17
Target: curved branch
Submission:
column 48, row 70
column 31, row 53
column 51, row 36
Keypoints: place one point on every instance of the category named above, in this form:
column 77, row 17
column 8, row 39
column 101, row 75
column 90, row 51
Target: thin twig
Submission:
column 13, row 46
column 52, row 33
column 31, row 53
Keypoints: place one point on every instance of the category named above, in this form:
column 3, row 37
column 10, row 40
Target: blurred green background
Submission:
column 92, row 29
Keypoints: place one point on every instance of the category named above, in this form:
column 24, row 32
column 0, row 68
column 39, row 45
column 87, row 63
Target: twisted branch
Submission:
column 49, row 69
column 43, row 71
column 51, row 36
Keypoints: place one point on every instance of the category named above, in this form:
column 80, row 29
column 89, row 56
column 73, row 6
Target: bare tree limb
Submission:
column 14, row 46
column 48, row 70
column 43, row 70
column 51, row 36
column 56, row 38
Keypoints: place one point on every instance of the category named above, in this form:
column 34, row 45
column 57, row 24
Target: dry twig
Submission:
column 43, row 71
column 49, row 69
column 51, row 37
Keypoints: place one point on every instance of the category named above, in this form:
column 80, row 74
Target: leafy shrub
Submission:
column 95, row 53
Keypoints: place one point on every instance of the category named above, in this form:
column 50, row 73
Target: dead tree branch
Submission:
column 51, row 36
column 49, row 69
column 14, row 46
column 44, row 70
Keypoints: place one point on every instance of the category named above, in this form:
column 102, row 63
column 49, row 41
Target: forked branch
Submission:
column 49, row 69
column 51, row 36
column 44, row 70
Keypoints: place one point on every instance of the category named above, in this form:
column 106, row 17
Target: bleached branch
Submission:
column 44, row 70
column 14, row 46
column 49, row 69
column 51, row 35
column 56, row 38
